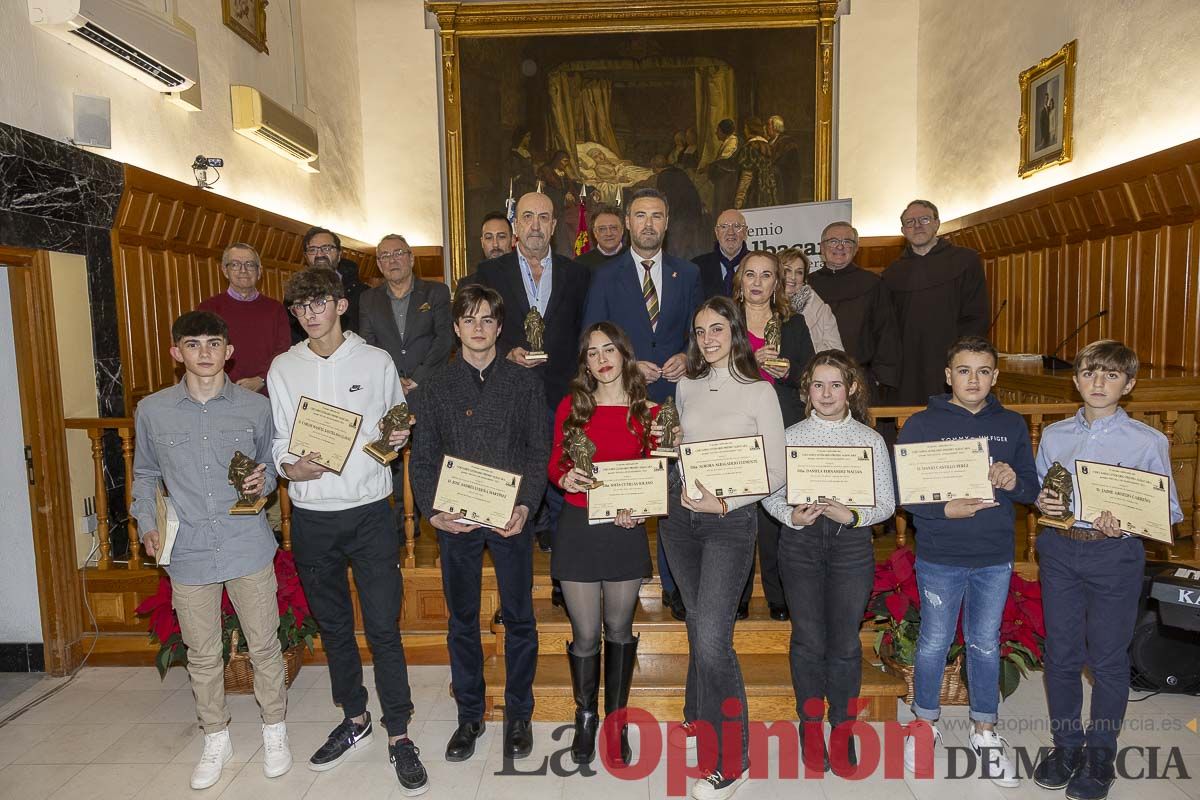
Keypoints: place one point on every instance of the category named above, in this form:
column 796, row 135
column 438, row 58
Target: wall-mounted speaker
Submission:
column 93, row 121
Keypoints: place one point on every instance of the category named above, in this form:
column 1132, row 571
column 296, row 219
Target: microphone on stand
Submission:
column 999, row 311
column 1052, row 361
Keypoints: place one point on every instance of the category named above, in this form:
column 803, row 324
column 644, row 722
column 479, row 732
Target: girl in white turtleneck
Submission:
column 827, row 560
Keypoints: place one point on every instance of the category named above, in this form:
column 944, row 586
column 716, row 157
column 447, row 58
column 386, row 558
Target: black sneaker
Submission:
column 406, row 757
column 342, row 739
column 1093, row 779
column 1059, row 766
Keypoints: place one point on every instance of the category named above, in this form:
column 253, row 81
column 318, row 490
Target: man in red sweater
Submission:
column 258, row 325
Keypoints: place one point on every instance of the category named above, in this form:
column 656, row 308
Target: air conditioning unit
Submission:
column 262, row 120
column 157, row 51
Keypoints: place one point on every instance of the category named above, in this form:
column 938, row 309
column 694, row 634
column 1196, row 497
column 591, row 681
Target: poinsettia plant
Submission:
column 895, row 608
column 296, row 623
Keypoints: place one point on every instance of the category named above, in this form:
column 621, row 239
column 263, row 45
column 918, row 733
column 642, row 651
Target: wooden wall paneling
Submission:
column 1175, row 307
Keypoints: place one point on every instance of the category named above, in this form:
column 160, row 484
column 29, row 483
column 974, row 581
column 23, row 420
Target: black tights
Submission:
column 584, row 599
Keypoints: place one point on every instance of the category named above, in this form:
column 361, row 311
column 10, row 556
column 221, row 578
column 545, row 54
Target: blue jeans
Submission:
column 981, row 593
column 712, row 556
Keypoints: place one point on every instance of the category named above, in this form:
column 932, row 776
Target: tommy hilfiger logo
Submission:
column 355, row 388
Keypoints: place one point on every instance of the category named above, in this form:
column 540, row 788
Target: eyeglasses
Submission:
column 839, row 242
column 242, row 266
column 730, row 226
column 315, row 306
column 321, row 249
column 915, row 221
column 390, row 255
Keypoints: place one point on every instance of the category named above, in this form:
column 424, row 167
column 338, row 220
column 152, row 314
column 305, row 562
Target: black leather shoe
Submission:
column 779, row 613
column 619, row 659
column 674, row 601
column 462, row 742
column 518, row 738
column 818, row 759
column 1093, row 780
column 844, row 764
column 1058, row 767
column 585, row 685
column 743, row 611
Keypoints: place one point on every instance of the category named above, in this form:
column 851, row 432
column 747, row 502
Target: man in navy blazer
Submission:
column 617, row 295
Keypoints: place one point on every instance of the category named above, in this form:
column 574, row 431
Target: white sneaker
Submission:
column 996, row 764
column 714, row 786
column 910, row 743
column 277, row 756
column 218, row 749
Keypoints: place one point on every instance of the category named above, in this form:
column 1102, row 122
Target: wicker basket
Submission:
column 954, row 689
column 239, row 672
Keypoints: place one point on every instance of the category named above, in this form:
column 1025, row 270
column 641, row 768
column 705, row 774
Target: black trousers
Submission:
column 324, row 543
column 828, row 571
column 768, row 555
column 462, row 573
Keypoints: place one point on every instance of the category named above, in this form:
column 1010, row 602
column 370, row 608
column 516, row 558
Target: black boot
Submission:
column 843, row 762
column 585, row 684
column 618, row 677
column 814, row 757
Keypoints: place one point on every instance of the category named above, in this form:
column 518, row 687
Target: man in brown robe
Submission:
column 940, row 295
column 862, row 306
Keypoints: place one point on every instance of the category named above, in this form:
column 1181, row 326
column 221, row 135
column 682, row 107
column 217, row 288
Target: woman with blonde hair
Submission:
column 803, row 299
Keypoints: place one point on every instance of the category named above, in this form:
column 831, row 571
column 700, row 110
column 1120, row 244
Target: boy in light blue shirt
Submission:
column 1091, row 575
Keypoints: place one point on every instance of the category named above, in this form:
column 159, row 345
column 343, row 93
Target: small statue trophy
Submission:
column 396, row 419
column 535, row 331
column 773, row 333
column 240, row 468
column 668, row 419
column 580, row 449
column 1058, row 480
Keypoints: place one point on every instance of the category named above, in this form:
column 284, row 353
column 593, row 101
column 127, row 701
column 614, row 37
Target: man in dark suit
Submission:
column 410, row 319
column 322, row 249
column 608, row 232
column 718, row 265
column 531, row 276
column 652, row 297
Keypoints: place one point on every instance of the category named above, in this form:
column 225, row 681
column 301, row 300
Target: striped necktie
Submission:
column 650, row 294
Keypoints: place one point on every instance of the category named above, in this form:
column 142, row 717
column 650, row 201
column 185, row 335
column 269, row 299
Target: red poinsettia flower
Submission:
column 163, row 621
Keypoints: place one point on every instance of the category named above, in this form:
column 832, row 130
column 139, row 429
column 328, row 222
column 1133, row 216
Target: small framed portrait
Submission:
column 248, row 19
column 1047, row 106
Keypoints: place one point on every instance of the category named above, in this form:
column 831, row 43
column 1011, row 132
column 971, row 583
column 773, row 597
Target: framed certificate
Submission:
column 638, row 485
column 937, row 472
column 1140, row 500
column 476, row 493
column 727, row 467
column 325, row 429
column 845, row 474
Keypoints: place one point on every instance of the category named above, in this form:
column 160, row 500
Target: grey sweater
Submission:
column 501, row 424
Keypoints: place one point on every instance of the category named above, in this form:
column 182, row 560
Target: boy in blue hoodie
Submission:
column 1092, row 575
column 965, row 552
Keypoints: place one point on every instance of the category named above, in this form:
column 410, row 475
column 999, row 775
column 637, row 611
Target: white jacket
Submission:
column 357, row 377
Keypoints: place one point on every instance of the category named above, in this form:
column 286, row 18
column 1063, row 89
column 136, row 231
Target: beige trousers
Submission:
column 199, row 611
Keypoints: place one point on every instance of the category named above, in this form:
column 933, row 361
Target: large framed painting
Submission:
column 1047, row 107
column 717, row 103
column 248, row 19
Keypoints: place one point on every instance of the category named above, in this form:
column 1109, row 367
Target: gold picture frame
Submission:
column 458, row 21
column 248, row 19
column 1047, row 109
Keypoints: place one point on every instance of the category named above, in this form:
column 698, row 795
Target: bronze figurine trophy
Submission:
column 535, row 332
column 396, row 419
column 668, row 420
column 240, row 467
column 580, row 449
column 773, row 333
column 1058, row 480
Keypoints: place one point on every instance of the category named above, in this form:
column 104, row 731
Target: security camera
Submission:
column 200, row 169
column 201, row 162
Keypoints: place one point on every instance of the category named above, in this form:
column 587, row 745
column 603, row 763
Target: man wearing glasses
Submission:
column 717, row 267
column 258, row 325
column 322, row 249
column 343, row 519
column 862, row 306
column 933, row 274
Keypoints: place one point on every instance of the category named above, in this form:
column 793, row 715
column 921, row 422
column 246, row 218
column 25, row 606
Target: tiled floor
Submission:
column 118, row 733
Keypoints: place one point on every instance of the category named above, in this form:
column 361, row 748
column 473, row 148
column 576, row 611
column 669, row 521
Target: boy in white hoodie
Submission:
column 340, row 519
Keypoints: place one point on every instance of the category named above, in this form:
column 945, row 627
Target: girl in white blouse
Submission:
column 827, row 560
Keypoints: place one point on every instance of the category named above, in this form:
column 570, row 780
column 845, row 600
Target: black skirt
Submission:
column 606, row 552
